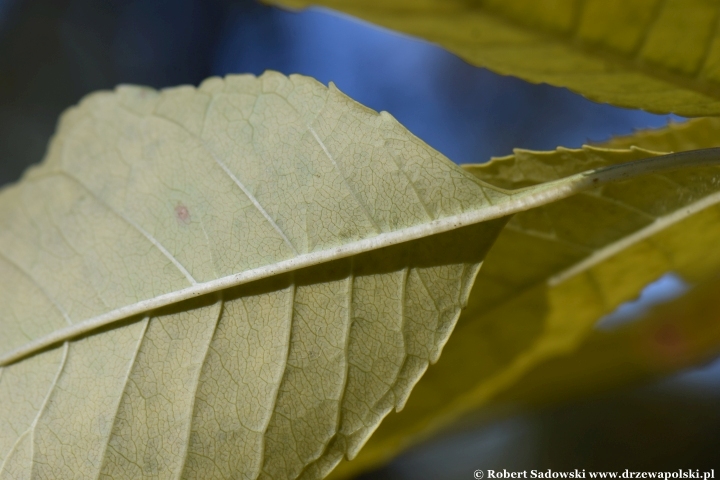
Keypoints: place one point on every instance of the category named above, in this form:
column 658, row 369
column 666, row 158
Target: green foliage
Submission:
column 244, row 279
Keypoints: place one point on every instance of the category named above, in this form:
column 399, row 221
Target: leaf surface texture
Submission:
column 147, row 195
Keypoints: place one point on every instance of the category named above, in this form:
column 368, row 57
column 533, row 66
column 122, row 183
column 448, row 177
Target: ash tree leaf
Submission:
column 657, row 55
column 555, row 270
column 209, row 282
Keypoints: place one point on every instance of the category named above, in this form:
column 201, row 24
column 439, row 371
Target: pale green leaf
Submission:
column 658, row 55
column 204, row 283
column 554, row 271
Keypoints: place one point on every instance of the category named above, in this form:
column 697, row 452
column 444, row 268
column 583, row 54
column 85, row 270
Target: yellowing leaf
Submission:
column 676, row 137
column 552, row 273
column 674, row 335
column 658, row 55
column 239, row 280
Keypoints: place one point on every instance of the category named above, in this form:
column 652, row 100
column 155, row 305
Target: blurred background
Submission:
column 53, row 52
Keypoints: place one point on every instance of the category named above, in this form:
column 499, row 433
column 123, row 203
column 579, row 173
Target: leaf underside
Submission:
column 144, row 194
column 658, row 55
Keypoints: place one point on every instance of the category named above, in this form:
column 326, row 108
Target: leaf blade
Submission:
column 130, row 207
column 673, row 335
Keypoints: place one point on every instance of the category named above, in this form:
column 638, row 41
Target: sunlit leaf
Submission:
column 674, row 335
column 676, row 137
column 658, row 55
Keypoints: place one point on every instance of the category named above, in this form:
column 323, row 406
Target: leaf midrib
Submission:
column 301, row 261
column 520, row 200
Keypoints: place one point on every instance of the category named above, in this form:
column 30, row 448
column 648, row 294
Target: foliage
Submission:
column 658, row 55
column 244, row 279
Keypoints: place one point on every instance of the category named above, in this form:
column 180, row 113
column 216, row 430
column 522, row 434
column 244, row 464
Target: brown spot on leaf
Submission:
column 182, row 213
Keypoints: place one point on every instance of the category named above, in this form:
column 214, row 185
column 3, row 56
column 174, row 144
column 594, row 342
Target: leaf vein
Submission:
column 253, row 199
column 156, row 243
column 276, row 393
column 31, row 429
column 125, row 381
column 42, row 290
column 191, row 409
column 344, row 179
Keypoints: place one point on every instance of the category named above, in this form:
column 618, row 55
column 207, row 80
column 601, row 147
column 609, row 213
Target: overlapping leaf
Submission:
column 676, row 137
column 237, row 280
column 677, row 334
column 658, row 55
column 555, row 270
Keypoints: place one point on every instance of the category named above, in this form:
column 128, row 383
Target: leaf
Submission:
column 676, row 137
column 552, row 273
column 207, row 282
column 658, row 55
column 674, row 335
column 239, row 280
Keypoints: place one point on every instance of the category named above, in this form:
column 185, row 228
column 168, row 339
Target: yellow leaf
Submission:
column 674, row 335
column 554, row 271
column 676, row 137
column 658, row 55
